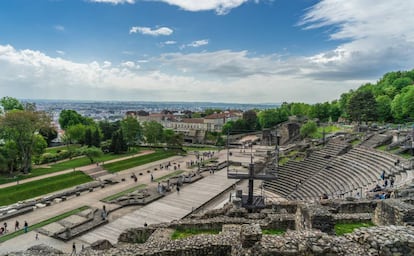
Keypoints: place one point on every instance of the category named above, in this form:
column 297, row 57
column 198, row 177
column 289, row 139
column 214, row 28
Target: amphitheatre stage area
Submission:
column 176, row 207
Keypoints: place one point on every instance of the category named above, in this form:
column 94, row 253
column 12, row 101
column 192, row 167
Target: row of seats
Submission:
column 335, row 175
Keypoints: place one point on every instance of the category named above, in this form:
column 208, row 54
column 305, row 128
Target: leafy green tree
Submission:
column 76, row 133
column 250, row 120
column 88, row 137
column 21, row 127
column 118, row 143
column 308, row 129
column 39, row 147
column 69, row 117
column 408, row 102
column 108, row 128
column 362, row 106
column 153, row 132
column 335, row 111
column 173, row 139
column 132, row 131
column 397, row 108
column 10, row 103
column 384, row 108
column 271, row 117
column 210, row 111
column 96, row 138
column 49, row 134
column 9, row 154
column 92, row 153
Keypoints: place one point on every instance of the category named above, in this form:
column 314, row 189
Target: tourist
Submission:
column 178, row 189
column 385, row 183
column 5, row 227
column 392, row 182
column 25, row 227
column 37, row 236
column 16, row 225
column 383, row 175
column 152, row 177
column 73, row 249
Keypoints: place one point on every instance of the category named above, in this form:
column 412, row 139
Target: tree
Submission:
column 118, row 144
column 132, row 131
column 384, row 108
column 69, row 117
column 250, row 119
column 362, row 106
column 308, row 129
column 108, row 128
column 91, row 152
column 49, row 134
column 21, row 127
column 153, row 132
column 10, row 103
column 39, row 147
column 96, row 138
column 76, row 133
column 173, row 139
column 88, row 137
column 9, row 154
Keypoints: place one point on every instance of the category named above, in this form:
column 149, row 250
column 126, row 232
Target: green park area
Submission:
column 37, row 188
column 137, row 161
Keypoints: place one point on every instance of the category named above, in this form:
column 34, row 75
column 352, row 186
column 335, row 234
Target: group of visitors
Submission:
column 5, row 230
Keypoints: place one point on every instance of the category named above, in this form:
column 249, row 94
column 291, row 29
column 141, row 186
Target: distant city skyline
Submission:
column 231, row 51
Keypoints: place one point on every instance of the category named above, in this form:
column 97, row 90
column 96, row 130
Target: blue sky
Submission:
column 248, row 51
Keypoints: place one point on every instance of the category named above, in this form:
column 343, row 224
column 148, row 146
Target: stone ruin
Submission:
column 309, row 231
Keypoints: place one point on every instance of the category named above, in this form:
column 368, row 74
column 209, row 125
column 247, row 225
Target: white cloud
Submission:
column 198, row 43
column 59, row 28
column 60, row 52
column 162, row 31
column 379, row 37
column 130, row 65
column 113, row 1
column 169, row 42
column 221, row 7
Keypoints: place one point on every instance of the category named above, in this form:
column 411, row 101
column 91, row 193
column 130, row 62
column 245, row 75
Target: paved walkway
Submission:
column 171, row 207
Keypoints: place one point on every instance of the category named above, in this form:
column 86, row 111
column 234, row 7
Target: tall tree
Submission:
column 96, row 138
column 153, row 132
column 250, row 119
column 49, row 134
column 118, row 144
column 362, row 106
column 21, row 126
column 10, row 103
column 132, row 131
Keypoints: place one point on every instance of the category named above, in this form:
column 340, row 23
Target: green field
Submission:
column 122, row 193
column 137, row 161
column 180, row 234
column 344, row 228
column 36, row 188
column 61, row 166
column 54, row 150
column 43, row 223
column 190, row 149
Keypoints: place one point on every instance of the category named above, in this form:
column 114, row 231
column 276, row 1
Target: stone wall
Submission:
column 315, row 217
column 394, row 212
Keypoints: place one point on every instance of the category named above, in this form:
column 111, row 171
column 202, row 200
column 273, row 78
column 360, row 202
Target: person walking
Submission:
column 73, row 249
column 16, row 225
column 25, row 227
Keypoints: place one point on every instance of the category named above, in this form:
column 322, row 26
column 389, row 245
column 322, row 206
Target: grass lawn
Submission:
column 273, row 232
column 137, row 161
column 36, row 188
column 344, row 228
column 43, row 223
column 189, row 149
column 117, row 195
column 165, row 177
column 54, row 150
column 382, row 148
column 180, row 234
column 65, row 165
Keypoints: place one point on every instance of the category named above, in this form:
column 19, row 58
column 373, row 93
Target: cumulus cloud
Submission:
column 221, row 7
column 115, row 2
column 198, row 43
column 162, row 31
column 60, row 52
